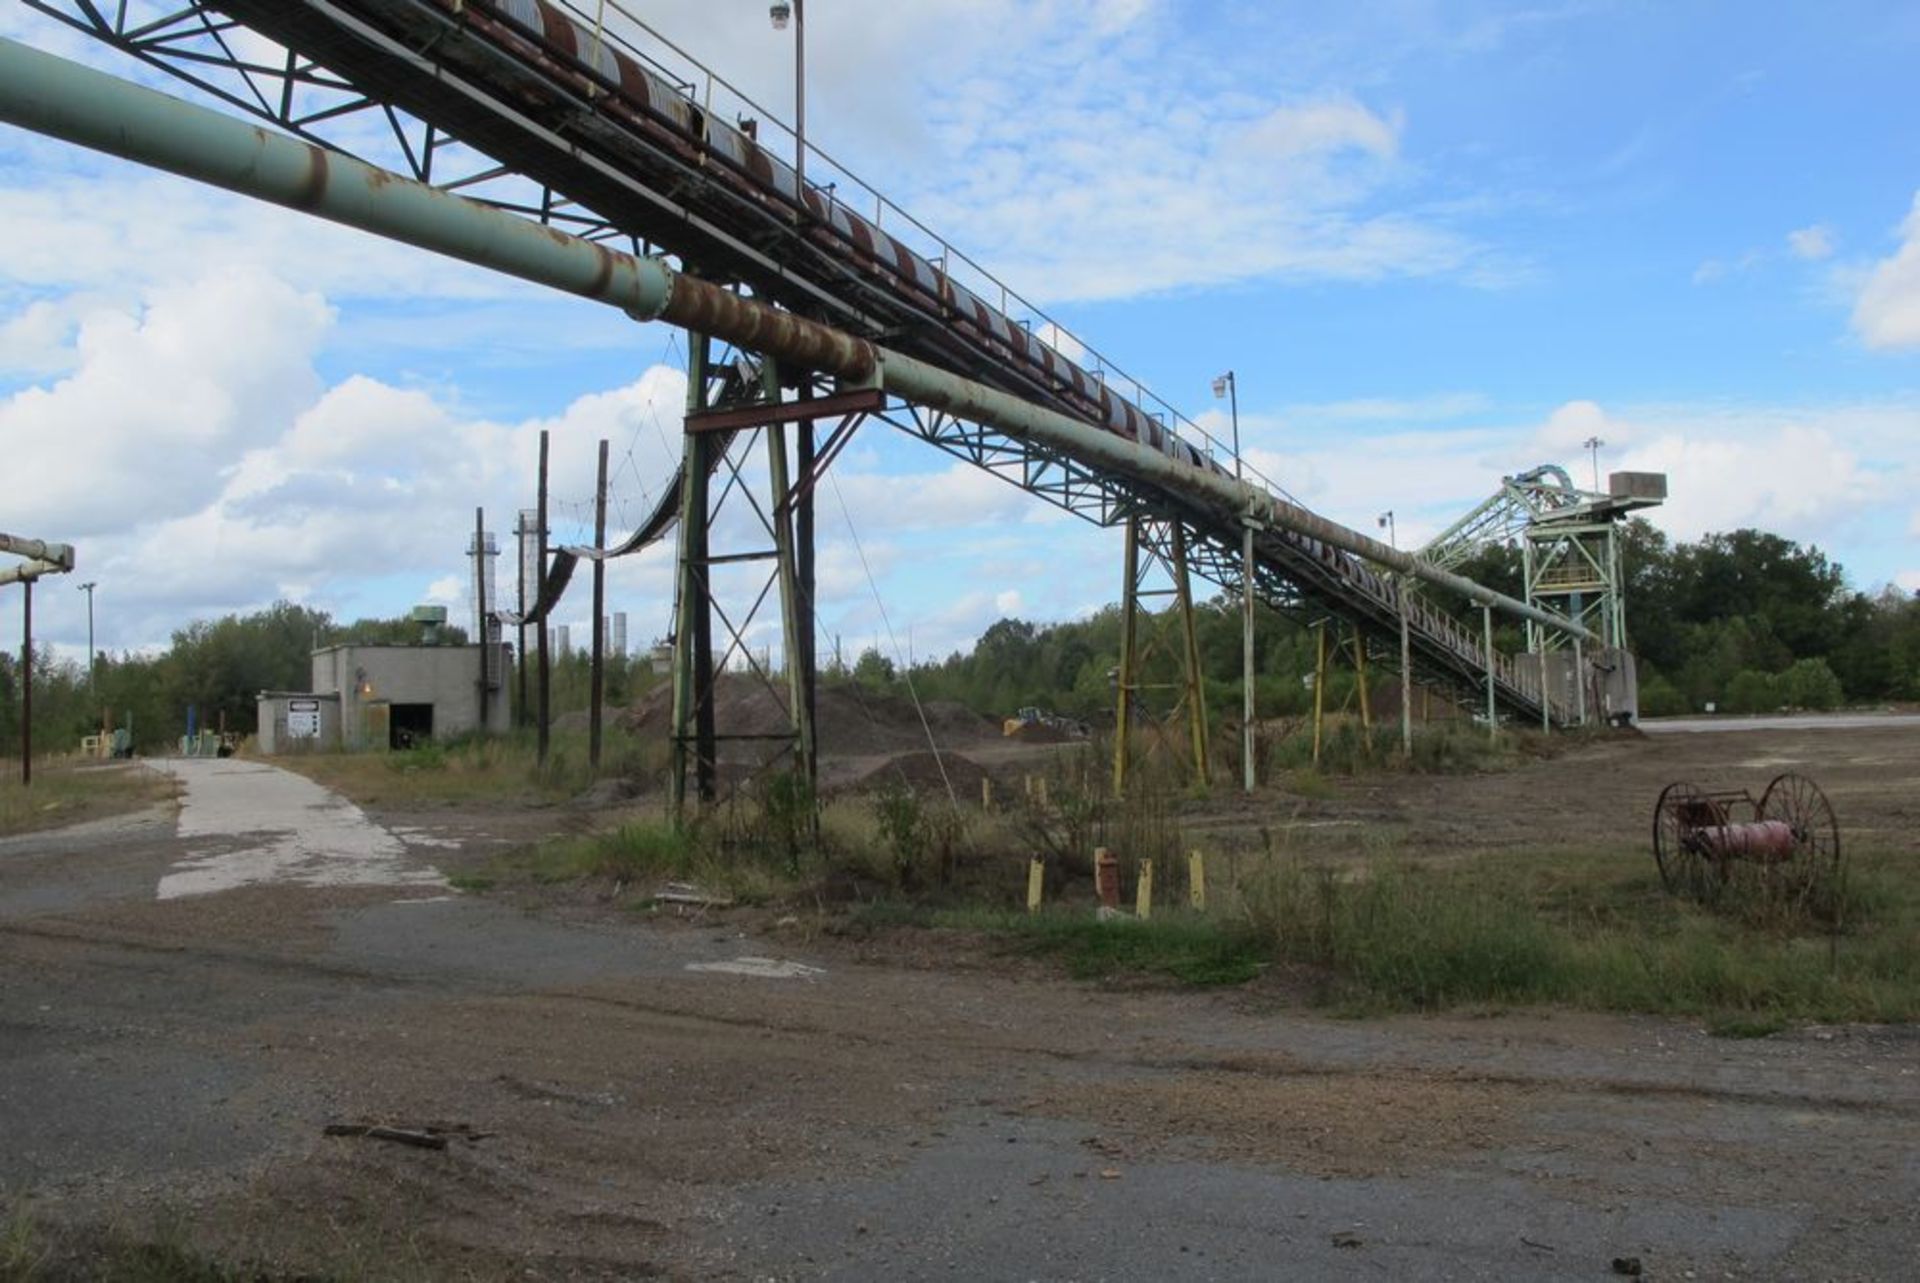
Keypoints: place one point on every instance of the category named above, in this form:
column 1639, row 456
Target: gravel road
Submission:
column 188, row 1000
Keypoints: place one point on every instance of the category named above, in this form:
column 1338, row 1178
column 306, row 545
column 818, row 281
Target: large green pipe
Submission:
column 92, row 109
column 52, row 96
column 1229, row 498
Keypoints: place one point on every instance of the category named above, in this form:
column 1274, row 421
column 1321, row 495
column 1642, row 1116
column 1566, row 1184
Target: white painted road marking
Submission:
column 761, row 968
column 249, row 823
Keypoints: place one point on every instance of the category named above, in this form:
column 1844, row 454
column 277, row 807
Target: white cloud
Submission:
column 1815, row 242
column 160, row 403
column 1334, row 125
column 1887, row 312
column 1824, row 474
column 1570, row 426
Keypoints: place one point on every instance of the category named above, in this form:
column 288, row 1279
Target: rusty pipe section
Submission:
column 706, row 308
column 92, row 109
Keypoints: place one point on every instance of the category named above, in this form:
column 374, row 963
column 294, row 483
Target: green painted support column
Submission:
column 1123, row 696
column 1193, row 679
column 1486, row 631
column 1246, row 659
column 793, row 603
column 690, row 593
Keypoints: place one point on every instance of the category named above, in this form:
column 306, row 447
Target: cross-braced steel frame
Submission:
column 221, row 57
column 1154, row 558
column 738, row 454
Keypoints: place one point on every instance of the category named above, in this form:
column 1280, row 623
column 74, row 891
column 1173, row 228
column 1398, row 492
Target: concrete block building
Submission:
column 388, row 697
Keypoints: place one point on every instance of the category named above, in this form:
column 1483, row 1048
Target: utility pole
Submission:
column 597, row 685
column 779, row 12
column 520, row 533
column 480, row 604
column 1230, row 386
column 540, row 575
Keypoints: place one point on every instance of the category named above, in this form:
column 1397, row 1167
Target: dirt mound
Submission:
column 851, row 722
column 921, row 772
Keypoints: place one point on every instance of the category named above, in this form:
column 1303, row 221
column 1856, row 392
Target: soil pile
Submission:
column 850, row 722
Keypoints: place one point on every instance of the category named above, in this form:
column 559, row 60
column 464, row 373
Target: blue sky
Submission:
column 1437, row 243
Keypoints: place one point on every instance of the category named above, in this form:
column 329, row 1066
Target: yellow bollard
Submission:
column 1197, row 881
column 986, row 792
column 1028, row 781
column 1036, row 879
column 1143, row 891
column 1043, row 790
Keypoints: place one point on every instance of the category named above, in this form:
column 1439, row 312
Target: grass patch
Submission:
column 641, row 854
column 32, row 1253
column 67, row 792
column 1590, row 931
column 477, row 769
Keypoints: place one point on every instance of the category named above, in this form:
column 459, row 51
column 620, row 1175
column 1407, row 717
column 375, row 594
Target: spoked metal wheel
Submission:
column 1684, row 866
column 1798, row 802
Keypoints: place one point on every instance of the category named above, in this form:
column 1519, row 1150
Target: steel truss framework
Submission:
column 735, row 411
column 200, row 43
column 1569, row 546
column 195, row 43
column 1155, row 552
column 1575, row 566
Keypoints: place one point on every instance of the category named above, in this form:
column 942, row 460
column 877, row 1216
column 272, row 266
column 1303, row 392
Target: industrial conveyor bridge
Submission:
column 578, row 117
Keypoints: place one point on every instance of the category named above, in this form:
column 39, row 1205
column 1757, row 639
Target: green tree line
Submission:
column 1746, row 621
column 216, row 667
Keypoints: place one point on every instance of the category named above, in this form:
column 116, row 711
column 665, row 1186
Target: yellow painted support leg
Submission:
column 1143, row 891
column 1360, row 672
column 1196, row 882
column 1036, row 880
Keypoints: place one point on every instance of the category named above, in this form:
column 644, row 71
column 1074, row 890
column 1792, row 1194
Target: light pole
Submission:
column 1225, row 386
column 780, row 11
column 1406, row 644
column 88, row 588
column 1593, row 445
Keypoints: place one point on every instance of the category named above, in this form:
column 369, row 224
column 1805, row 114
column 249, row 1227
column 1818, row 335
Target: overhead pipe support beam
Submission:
column 65, row 100
column 58, row 556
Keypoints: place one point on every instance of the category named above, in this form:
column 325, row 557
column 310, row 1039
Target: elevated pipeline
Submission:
column 65, row 100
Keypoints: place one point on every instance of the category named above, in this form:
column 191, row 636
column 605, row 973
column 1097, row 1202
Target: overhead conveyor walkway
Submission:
column 555, row 113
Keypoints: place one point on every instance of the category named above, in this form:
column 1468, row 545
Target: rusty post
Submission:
column 26, row 685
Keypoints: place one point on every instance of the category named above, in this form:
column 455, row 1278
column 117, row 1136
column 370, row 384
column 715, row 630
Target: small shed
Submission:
column 400, row 696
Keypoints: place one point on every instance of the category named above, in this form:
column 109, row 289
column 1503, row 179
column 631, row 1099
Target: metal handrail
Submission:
column 592, row 15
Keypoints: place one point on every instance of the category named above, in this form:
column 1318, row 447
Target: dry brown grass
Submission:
column 69, row 791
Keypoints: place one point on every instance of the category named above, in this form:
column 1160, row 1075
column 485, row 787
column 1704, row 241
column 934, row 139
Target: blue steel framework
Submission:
column 505, row 102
